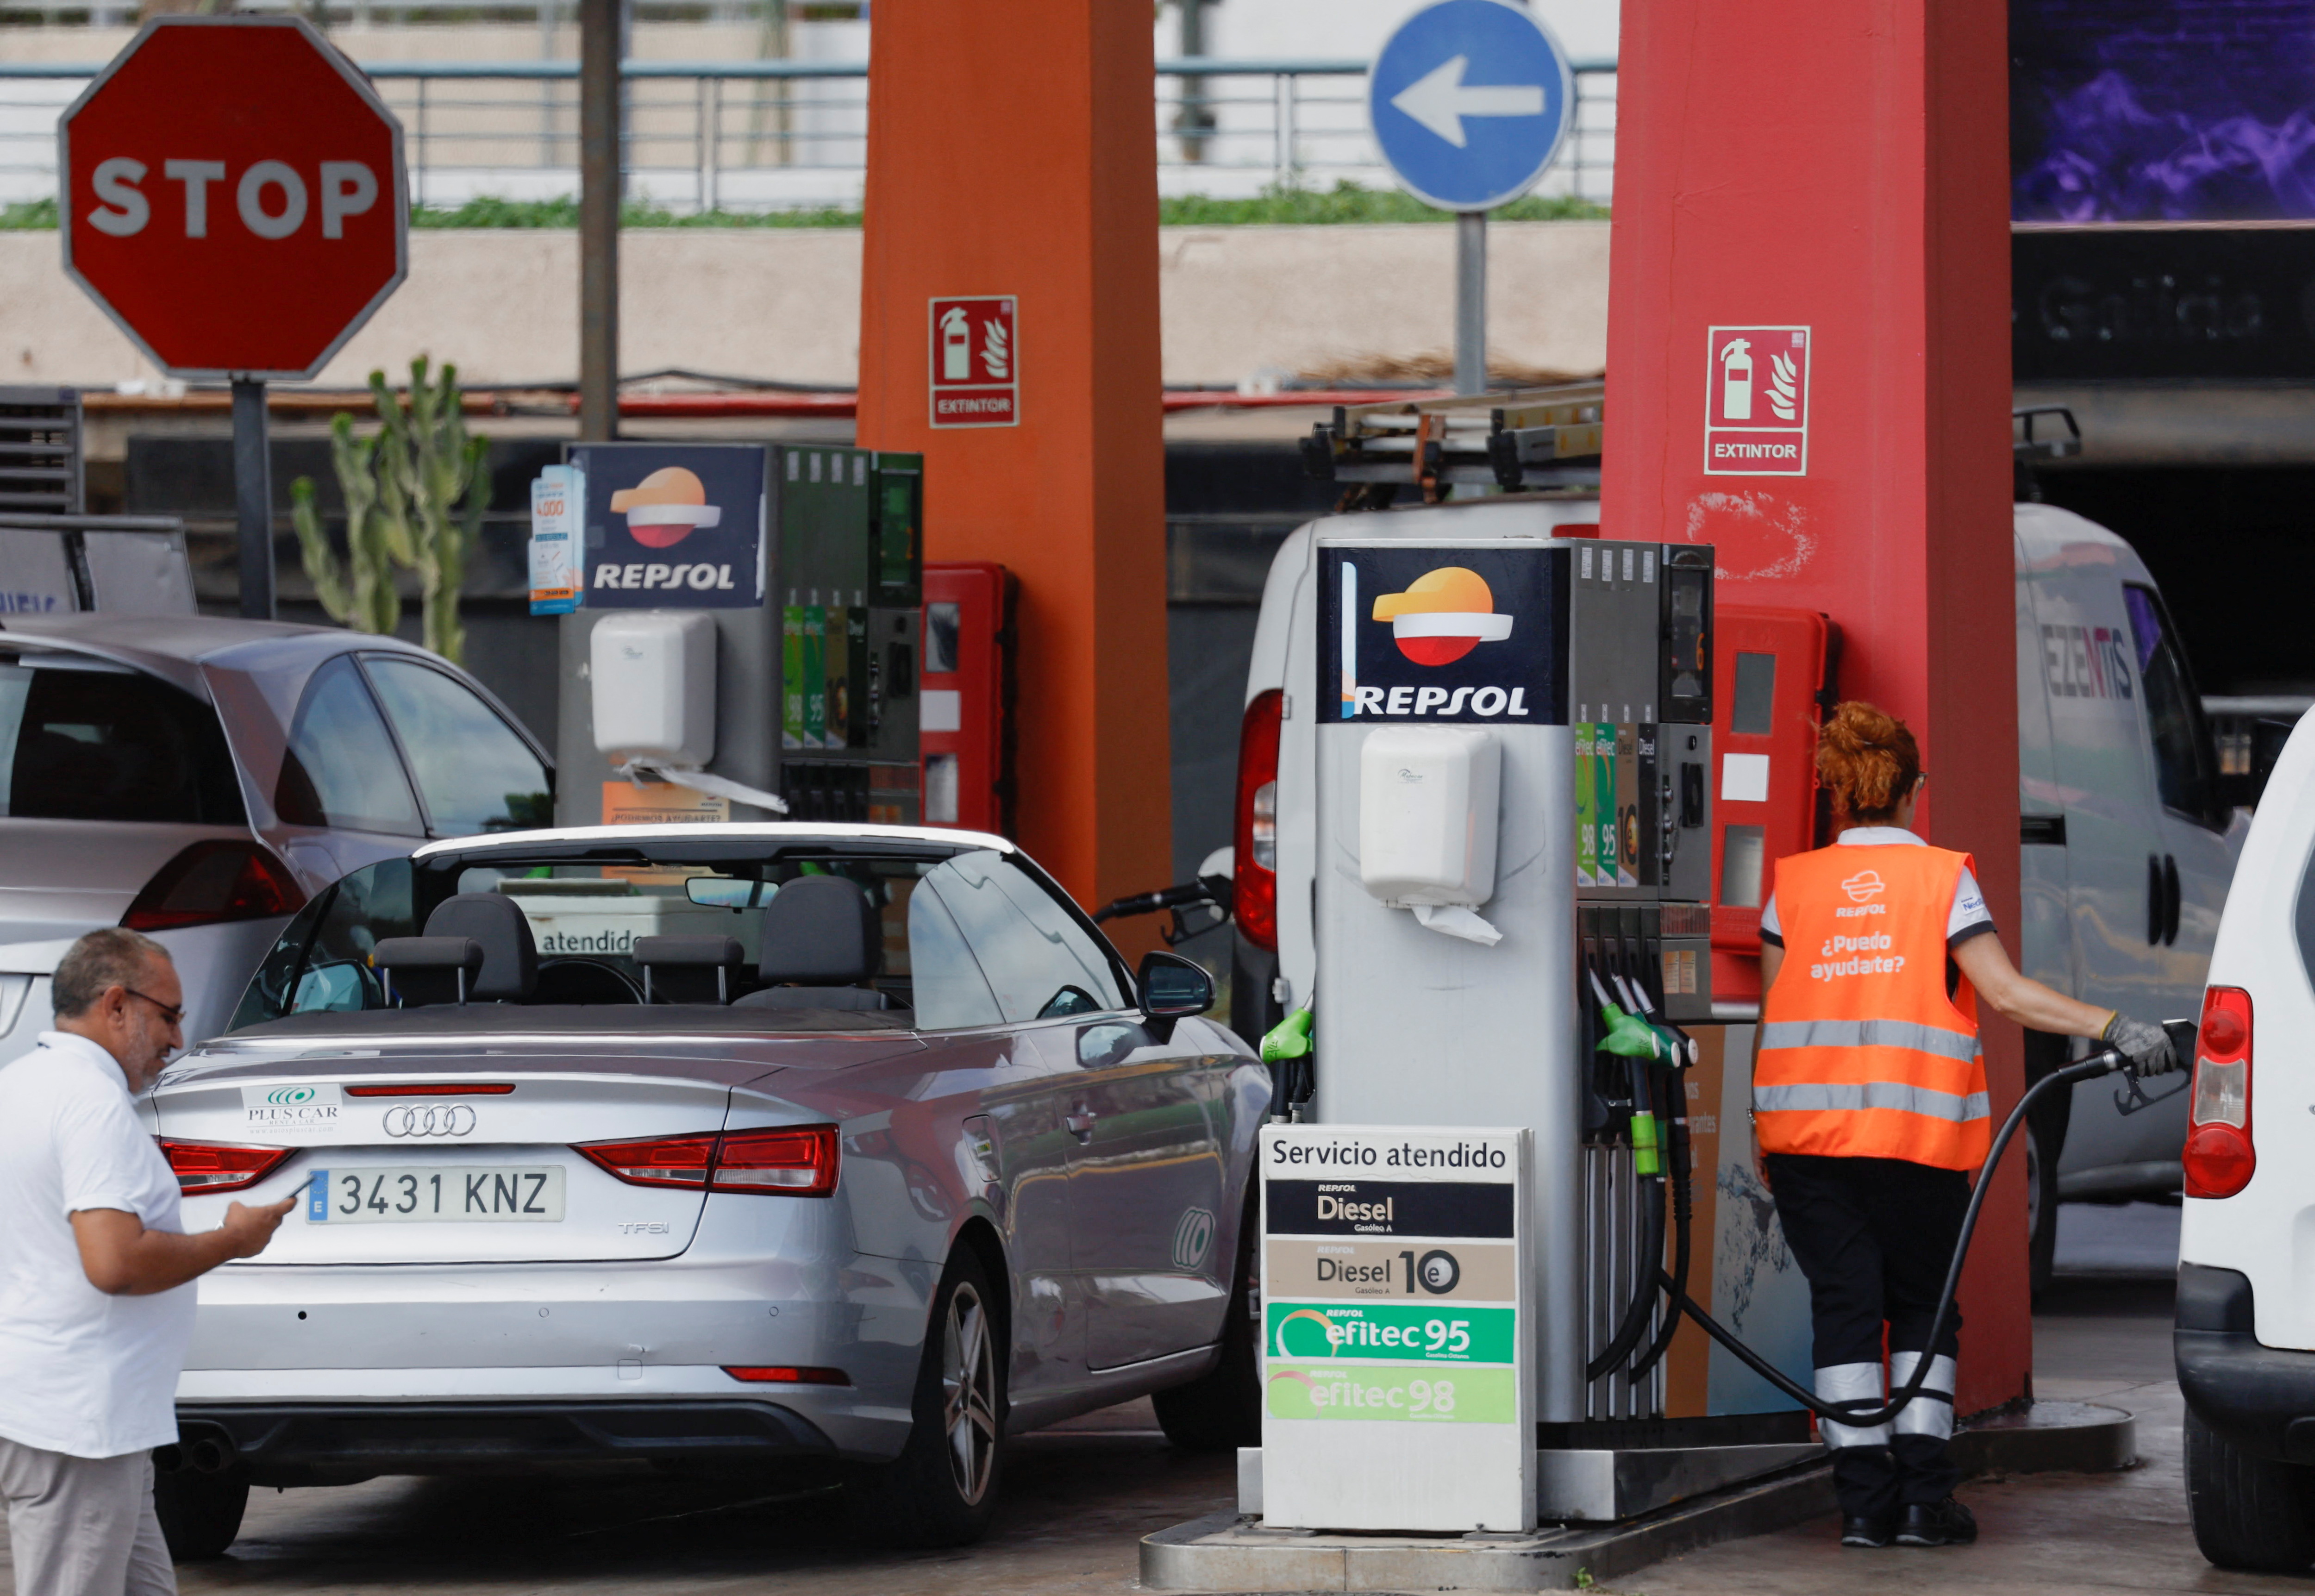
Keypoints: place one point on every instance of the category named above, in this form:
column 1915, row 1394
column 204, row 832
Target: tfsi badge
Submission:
column 1470, row 634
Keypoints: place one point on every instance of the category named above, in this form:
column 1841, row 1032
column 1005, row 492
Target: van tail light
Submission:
column 213, row 882
column 1254, row 866
column 787, row 1161
column 202, row 1167
column 2218, row 1158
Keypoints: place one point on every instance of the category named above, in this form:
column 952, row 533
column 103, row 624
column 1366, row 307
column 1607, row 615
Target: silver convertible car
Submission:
column 851, row 1149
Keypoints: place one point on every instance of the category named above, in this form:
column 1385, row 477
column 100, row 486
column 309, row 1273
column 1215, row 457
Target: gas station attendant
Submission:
column 1870, row 1109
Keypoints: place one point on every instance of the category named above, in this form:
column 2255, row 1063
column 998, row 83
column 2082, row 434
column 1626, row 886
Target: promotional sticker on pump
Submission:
column 1468, row 635
column 672, row 526
column 1756, row 388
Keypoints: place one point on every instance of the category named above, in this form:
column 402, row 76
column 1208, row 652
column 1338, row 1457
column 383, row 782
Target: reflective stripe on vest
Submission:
column 1862, row 1053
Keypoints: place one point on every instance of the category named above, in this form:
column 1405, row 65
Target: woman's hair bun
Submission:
column 1867, row 759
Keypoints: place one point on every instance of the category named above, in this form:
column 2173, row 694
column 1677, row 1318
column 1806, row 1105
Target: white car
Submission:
column 2245, row 1340
column 199, row 779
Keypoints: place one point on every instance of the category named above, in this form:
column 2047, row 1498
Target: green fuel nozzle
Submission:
column 1646, row 1158
column 1627, row 1036
column 1289, row 1039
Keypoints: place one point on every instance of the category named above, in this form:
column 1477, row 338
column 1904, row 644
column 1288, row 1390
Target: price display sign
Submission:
column 1398, row 1386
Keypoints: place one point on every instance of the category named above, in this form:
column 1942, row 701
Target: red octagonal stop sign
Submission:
column 234, row 195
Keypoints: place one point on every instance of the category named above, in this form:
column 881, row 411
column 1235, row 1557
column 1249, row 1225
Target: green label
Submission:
column 1585, row 818
column 792, row 676
column 815, row 676
column 1408, row 1395
column 1400, row 1333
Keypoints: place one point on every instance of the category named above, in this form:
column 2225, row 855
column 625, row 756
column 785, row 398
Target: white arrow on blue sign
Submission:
column 1469, row 100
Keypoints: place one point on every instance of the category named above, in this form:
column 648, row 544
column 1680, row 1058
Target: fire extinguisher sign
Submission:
column 1756, row 388
column 976, row 362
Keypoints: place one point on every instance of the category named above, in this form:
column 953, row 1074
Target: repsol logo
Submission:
column 642, row 577
column 1862, row 909
column 1422, row 701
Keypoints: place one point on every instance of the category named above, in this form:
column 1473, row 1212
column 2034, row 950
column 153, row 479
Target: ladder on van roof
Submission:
column 1532, row 439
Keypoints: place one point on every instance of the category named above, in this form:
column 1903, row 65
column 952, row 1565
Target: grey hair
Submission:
column 111, row 957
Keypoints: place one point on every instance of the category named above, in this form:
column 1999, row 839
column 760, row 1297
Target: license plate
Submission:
column 386, row 1195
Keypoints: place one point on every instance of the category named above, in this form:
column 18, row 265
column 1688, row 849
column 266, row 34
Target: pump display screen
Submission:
column 1472, row 634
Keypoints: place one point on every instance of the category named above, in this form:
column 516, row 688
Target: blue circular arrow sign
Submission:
column 1469, row 100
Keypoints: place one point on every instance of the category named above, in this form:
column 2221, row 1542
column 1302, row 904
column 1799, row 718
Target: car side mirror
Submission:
column 1174, row 987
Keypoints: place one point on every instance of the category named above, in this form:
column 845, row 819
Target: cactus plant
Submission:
column 415, row 494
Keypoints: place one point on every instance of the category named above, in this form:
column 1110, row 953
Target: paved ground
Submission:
column 1079, row 1499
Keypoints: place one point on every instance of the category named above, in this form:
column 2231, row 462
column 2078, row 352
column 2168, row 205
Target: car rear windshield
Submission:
column 86, row 740
column 969, row 936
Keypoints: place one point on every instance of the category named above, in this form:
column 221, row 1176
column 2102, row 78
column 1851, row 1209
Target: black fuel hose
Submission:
column 2103, row 1062
column 1677, row 1152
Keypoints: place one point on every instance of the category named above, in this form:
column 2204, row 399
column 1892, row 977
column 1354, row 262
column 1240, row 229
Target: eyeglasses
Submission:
column 176, row 1016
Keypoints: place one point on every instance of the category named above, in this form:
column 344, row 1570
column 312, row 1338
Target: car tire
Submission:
column 1222, row 1409
column 942, row 1490
column 200, row 1513
column 2249, row 1513
column 2041, row 1214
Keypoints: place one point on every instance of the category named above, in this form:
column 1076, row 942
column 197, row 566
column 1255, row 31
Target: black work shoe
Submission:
column 1857, row 1531
column 1947, row 1523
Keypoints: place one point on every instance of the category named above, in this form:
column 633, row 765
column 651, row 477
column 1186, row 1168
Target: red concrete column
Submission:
column 1843, row 167
column 1011, row 150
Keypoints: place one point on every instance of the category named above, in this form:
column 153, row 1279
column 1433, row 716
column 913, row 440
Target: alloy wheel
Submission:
column 969, row 1393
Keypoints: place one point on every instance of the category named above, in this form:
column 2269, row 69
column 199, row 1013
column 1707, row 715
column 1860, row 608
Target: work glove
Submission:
column 2147, row 1047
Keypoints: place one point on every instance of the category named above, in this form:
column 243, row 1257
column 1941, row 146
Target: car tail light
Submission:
column 1254, row 865
column 2219, row 1157
column 784, row 1375
column 213, row 882
column 799, row 1162
column 205, row 1167
column 790, row 1161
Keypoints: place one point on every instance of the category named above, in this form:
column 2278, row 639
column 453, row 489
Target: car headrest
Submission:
column 821, row 931
column 708, row 951
column 509, row 971
column 428, row 970
column 672, row 966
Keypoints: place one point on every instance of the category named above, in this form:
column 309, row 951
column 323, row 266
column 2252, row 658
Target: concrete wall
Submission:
column 785, row 304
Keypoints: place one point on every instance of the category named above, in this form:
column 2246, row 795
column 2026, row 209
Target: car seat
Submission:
column 823, row 941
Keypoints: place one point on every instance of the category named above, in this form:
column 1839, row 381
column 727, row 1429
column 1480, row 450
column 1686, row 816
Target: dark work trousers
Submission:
column 1875, row 1237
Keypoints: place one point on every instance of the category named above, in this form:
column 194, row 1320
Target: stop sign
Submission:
column 234, row 195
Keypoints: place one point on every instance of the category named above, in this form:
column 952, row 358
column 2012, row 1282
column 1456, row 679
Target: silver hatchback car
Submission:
column 198, row 778
column 852, row 1149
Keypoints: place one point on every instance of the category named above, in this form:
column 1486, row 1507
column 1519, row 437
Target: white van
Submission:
column 2245, row 1336
column 2126, row 851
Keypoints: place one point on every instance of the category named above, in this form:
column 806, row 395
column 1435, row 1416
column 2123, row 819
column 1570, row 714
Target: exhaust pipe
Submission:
column 209, row 1454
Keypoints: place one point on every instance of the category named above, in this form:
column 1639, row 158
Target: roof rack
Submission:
column 1535, row 438
column 2026, row 446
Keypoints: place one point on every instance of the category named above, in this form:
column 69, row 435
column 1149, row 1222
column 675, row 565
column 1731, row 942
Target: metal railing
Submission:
column 783, row 135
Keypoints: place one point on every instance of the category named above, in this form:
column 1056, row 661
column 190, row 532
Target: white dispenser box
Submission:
column 653, row 674
column 1428, row 802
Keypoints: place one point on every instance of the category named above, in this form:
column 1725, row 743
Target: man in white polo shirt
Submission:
column 96, row 1300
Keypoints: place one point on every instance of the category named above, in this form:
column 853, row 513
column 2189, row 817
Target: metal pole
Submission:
column 1471, row 302
column 598, row 219
column 252, row 494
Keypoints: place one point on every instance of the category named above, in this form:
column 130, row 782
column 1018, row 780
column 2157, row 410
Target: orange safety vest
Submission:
column 1862, row 1054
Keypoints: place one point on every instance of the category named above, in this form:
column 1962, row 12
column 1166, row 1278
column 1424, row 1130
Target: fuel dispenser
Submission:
column 1514, row 795
column 965, row 715
column 797, row 571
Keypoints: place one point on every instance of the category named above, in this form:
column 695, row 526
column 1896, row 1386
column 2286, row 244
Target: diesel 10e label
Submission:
column 1390, row 1208
column 1463, row 1270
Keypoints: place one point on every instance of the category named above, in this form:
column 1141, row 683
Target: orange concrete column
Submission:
column 1012, row 150
column 1843, row 168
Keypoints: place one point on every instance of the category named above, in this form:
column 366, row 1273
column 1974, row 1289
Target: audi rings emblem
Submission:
column 431, row 1118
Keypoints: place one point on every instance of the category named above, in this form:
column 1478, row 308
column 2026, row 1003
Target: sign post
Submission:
column 1469, row 146
column 1398, row 1380
column 234, row 198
